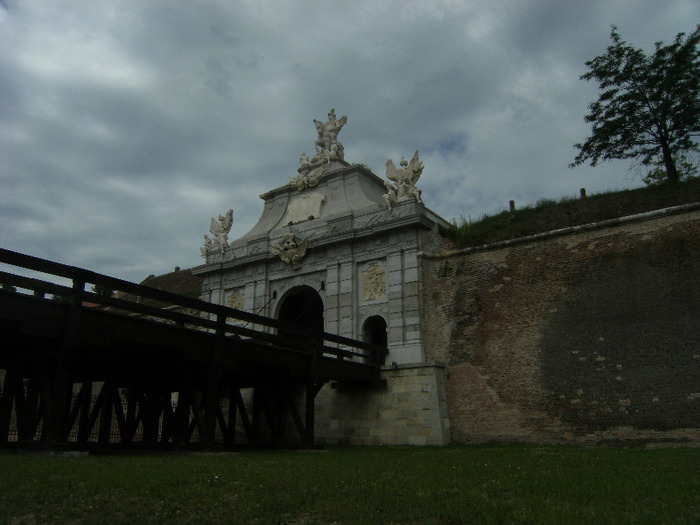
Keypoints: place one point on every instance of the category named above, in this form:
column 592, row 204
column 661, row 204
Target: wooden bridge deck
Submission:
column 61, row 344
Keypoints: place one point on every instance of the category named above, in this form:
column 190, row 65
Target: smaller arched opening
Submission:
column 374, row 331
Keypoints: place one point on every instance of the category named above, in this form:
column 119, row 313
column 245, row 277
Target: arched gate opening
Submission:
column 302, row 306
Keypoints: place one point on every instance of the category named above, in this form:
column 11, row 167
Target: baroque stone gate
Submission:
column 337, row 249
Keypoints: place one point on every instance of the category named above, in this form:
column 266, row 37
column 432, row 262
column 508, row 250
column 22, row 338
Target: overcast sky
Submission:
column 126, row 125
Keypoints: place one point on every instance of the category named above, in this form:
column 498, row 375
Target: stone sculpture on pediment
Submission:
column 327, row 145
column 403, row 181
column 308, row 178
column 328, row 149
column 292, row 249
column 219, row 229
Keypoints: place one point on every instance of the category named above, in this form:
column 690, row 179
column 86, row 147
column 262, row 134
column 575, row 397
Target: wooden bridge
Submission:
column 80, row 368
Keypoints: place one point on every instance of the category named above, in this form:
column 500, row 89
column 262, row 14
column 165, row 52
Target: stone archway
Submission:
column 302, row 306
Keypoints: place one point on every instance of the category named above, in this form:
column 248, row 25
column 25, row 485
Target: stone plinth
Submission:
column 409, row 410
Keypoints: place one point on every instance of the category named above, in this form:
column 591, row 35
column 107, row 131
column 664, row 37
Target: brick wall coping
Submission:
column 407, row 366
column 609, row 223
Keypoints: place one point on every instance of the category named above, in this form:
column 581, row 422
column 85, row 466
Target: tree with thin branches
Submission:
column 649, row 106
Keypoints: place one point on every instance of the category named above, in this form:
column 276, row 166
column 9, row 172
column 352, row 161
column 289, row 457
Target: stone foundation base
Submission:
column 409, row 410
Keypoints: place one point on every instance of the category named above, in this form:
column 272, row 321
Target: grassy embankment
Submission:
column 455, row 484
column 548, row 215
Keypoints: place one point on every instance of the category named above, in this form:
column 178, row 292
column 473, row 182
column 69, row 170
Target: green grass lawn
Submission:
column 455, row 484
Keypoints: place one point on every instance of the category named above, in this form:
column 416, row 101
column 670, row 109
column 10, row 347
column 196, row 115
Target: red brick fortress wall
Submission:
column 585, row 335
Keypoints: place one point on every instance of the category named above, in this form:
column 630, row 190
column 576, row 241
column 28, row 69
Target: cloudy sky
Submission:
column 125, row 125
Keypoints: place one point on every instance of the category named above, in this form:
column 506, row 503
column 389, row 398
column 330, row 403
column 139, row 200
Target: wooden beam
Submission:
column 85, row 431
column 297, row 419
column 244, row 418
column 124, row 436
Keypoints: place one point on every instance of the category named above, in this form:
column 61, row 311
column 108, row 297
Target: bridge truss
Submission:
column 81, row 369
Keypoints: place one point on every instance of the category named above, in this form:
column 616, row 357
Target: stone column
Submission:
column 332, row 306
column 346, row 304
column 405, row 345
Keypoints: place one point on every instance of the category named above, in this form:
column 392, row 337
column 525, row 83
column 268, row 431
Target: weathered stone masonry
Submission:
column 586, row 335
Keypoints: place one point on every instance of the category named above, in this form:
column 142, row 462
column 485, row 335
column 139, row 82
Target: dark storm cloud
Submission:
column 125, row 126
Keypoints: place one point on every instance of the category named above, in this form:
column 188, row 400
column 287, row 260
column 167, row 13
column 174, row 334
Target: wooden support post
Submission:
column 124, row 434
column 75, row 410
column 230, row 435
column 211, row 397
column 31, row 420
column 85, row 430
column 257, row 415
column 168, row 424
column 297, row 419
column 61, row 387
column 279, row 404
column 309, row 414
column 244, row 418
column 45, row 406
column 106, row 414
column 271, row 407
column 6, row 404
column 182, row 417
column 211, row 405
column 150, row 416
column 227, row 419
column 84, row 401
column 132, row 417
column 198, row 416
column 312, row 389
column 21, row 415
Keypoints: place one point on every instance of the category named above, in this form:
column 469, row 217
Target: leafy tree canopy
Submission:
column 102, row 290
column 687, row 169
column 649, row 106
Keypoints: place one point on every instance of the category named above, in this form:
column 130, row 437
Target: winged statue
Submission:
column 219, row 229
column 404, row 180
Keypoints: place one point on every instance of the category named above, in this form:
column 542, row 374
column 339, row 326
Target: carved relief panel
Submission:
column 236, row 300
column 373, row 283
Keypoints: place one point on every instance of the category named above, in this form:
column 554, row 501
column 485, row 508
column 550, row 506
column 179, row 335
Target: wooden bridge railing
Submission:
column 243, row 343
column 175, row 309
